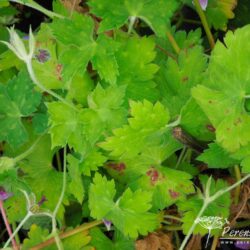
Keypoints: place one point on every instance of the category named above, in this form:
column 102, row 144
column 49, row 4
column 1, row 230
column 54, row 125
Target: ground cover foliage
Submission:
column 124, row 124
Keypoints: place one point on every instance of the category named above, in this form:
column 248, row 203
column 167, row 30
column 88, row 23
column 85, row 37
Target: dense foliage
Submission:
column 121, row 118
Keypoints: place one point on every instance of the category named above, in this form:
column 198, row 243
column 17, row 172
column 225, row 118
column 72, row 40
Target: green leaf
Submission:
column 218, row 12
column 136, row 68
column 217, row 157
column 129, row 213
column 156, row 13
column 177, row 77
column 89, row 161
column 107, row 104
column 47, row 68
column 147, row 119
column 168, row 185
column 222, row 95
column 79, row 43
column 66, row 126
column 76, row 184
column 80, row 87
column 102, row 242
column 191, row 207
column 195, row 122
column 17, row 99
column 101, row 195
column 71, row 31
column 104, row 60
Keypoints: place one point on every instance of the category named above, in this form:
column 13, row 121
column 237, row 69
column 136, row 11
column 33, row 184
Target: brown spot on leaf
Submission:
column 210, row 101
column 211, row 128
column 173, row 194
column 184, row 79
column 119, row 167
column 59, row 69
column 153, row 175
column 237, row 122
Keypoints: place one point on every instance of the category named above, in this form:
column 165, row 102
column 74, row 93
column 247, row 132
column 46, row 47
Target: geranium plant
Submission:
column 119, row 119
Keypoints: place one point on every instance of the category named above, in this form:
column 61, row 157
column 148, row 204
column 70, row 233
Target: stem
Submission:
column 38, row 7
column 28, row 215
column 173, row 42
column 58, row 161
column 172, row 217
column 28, row 151
column 215, row 242
column 132, row 20
column 173, row 228
column 54, row 227
column 204, row 23
column 177, row 239
column 237, row 189
column 225, row 190
column 39, row 85
column 16, row 236
column 203, row 208
column 166, row 52
column 181, row 157
column 7, row 225
column 67, row 234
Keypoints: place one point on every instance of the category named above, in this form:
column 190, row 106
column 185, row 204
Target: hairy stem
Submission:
column 28, row 215
column 204, row 23
column 237, row 189
column 54, row 227
column 28, row 151
column 173, row 42
column 7, row 225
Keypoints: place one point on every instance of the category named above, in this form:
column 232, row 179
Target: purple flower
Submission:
column 107, row 224
column 42, row 56
column 43, row 199
column 203, row 4
column 4, row 195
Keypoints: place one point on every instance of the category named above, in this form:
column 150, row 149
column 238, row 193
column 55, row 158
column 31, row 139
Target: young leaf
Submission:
column 136, row 68
column 177, row 77
column 129, row 213
column 147, row 119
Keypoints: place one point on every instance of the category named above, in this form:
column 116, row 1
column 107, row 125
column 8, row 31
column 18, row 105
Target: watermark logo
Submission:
column 210, row 223
column 240, row 238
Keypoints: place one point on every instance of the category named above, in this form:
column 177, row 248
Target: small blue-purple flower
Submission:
column 203, row 4
column 42, row 56
column 107, row 224
column 4, row 195
column 42, row 200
